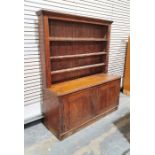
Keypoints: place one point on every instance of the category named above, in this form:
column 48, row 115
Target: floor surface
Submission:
column 107, row 136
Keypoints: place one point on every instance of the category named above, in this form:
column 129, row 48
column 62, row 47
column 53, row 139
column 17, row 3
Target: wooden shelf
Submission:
column 75, row 39
column 71, row 86
column 77, row 68
column 77, row 55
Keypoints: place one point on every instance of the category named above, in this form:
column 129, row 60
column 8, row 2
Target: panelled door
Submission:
column 77, row 109
column 107, row 97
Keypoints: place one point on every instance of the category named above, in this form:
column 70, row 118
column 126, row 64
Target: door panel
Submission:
column 78, row 109
column 107, row 96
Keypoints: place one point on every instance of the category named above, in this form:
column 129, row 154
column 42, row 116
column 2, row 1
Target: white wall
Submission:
column 116, row 10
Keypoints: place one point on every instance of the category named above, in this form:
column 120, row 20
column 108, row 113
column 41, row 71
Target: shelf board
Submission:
column 77, row 68
column 78, row 55
column 75, row 39
column 75, row 85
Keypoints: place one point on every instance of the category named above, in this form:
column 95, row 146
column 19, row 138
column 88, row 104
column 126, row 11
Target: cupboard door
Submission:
column 77, row 109
column 107, row 96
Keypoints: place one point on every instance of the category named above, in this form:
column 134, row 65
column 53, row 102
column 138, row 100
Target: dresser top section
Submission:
column 71, row 86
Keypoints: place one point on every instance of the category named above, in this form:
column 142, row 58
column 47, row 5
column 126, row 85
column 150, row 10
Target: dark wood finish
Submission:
column 107, row 97
column 77, row 109
column 74, row 57
column 95, row 118
column 78, row 55
column 47, row 53
column 57, row 78
column 76, row 39
column 76, row 68
column 72, row 18
column 107, row 48
column 51, row 110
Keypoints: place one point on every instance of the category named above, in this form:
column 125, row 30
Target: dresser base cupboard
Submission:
column 68, row 109
column 77, row 89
